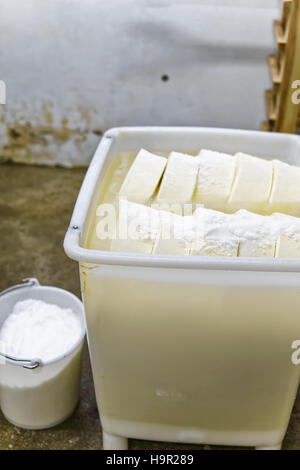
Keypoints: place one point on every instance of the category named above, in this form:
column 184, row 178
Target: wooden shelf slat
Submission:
column 280, row 57
column 281, row 35
column 266, row 126
column 275, row 73
column 286, row 10
column 271, row 109
column 283, row 114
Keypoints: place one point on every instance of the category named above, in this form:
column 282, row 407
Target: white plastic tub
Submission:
column 36, row 394
column 188, row 349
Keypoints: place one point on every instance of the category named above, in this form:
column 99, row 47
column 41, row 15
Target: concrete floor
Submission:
column 35, row 209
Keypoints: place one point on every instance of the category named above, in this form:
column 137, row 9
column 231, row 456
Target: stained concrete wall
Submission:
column 74, row 68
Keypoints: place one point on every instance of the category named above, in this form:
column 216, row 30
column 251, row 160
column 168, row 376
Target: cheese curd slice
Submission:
column 138, row 228
column 215, row 247
column 171, row 246
column 212, row 224
column 179, row 180
column 287, row 224
column 132, row 246
column 176, row 235
column 252, row 184
column 257, row 234
column 257, row 248
column 285, row 194
column 287, row 247
column 213, row 234
column 142, row 229
column 288, row 240
column 215, row 178
column 143, row 177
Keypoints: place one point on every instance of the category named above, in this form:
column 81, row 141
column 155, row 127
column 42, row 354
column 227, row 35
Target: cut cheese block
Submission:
column 213, row 235
column 285, row 195
column 212, row 224
column 179, row 180
column 288, row 240
column 287, row 247
column 138, row 228
column 257, row 248
column 257, row 234
column 287, row 224
column 143, row 229
column 141, row 221
column 215, row 178
column 176, row 235
column 215, row 247
column 252, row 184
column 171, row 246
column 132, row 246
column 143, row 177
column 176, row 226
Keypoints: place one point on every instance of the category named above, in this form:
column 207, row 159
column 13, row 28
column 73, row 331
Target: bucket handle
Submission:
column 25, row 363
column 27, row 282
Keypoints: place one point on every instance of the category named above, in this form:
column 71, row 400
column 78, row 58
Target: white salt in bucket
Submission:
column 36, row 394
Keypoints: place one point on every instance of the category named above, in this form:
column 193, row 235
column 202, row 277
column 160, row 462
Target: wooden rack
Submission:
column 283, row 114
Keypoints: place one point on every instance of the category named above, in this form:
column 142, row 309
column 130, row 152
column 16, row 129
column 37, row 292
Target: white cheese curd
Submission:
column 288, row 242
column 254, row 235
column 285, row 195
column 215, row 178
column 213, row 234
column 138, row 227
column 257, row 234
column 176, row 234
column 215, row 247
column 287, row 247
column 252, row 185
column 228, row 187
column 288, row 225
column 172, row 246
column 179, row 180
column 212, row 224
column 36, row 329
column 143, row 229
column 143, row 177
column 206, row 233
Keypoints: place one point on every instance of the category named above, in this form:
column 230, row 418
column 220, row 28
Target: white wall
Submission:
column 74, row 68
